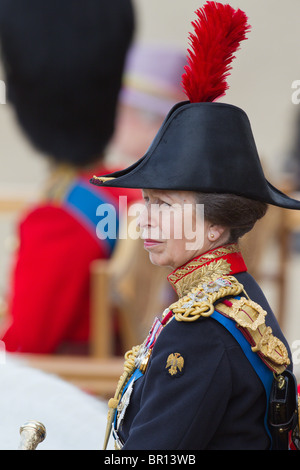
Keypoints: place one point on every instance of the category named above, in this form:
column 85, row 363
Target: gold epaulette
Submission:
column 250, row 318
column 199, row 302
column 59, row 182
column 248, row 315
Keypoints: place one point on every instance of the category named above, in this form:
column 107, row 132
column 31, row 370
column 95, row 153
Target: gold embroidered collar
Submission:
column 207, row 267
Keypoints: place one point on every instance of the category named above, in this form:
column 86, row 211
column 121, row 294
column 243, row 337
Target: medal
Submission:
column 143, row 356
column 123, row 404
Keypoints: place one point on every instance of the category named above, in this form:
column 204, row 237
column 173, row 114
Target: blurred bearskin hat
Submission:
column 63, row 63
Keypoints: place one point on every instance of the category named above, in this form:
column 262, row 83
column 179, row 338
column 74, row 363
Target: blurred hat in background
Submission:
column 152, row 79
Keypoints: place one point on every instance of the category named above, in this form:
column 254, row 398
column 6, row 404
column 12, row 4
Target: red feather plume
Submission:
column 219, row 30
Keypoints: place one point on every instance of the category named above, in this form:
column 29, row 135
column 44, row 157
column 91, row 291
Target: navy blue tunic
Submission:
column 216, row 402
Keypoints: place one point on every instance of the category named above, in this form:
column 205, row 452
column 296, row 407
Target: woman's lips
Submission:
column 148, row 242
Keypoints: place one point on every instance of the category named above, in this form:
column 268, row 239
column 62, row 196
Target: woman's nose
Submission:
column 143, row 220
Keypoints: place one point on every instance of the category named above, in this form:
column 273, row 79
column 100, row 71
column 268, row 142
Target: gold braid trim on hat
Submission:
column 102, row 179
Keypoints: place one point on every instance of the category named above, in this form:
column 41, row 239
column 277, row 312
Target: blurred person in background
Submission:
column 151, row 86
column 63, row 65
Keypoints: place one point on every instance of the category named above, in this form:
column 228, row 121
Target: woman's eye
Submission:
column 158, row 202
column 164, row 203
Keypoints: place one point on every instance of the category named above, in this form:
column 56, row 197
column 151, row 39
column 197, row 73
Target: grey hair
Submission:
column 237, row 213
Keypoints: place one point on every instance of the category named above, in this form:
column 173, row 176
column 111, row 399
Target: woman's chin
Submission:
column 157, row 259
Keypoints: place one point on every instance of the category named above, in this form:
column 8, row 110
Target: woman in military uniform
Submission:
column 204, row 376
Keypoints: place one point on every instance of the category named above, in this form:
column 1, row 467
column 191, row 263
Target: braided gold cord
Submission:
column 129, row 367
column 204, row 308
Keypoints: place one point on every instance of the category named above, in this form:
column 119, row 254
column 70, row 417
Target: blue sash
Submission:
column 263, row 372
column 135, row 376
column 82, row 201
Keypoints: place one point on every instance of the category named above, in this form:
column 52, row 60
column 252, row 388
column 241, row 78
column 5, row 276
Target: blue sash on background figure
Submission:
column 82, row 201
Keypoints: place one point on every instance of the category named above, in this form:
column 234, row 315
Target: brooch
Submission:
column 175, row 364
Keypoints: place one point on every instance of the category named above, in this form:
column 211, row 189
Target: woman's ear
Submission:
column 217, row 233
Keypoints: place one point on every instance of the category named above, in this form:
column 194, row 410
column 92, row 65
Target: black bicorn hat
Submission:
column 63, row 65
column 203, row 145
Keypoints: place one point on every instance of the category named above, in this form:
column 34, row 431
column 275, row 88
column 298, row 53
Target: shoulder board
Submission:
column 250, row 319
column 219, row 294
column 199, row 302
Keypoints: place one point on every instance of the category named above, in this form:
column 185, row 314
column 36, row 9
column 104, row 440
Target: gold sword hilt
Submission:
column 32, row 434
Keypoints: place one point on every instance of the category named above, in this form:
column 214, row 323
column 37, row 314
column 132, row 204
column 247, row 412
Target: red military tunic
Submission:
column 49, row 300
